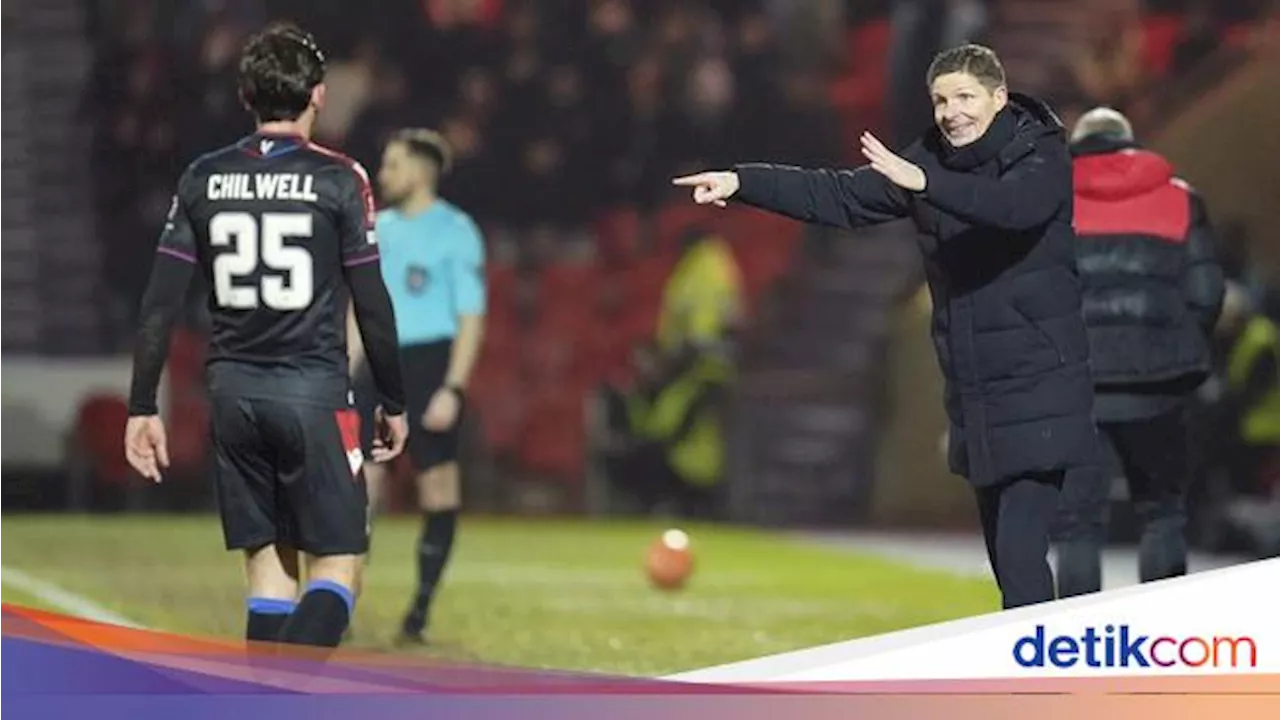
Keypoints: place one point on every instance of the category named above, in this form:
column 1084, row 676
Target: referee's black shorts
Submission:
column 424, row 368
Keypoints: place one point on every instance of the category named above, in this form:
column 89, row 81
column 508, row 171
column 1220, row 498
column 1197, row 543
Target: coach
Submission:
column 1152, row 293
column 990, row 189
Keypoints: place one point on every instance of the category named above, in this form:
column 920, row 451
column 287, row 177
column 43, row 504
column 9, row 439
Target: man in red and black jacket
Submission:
column 1152, row 293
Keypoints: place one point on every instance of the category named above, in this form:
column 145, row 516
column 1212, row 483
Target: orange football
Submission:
column 670, row 560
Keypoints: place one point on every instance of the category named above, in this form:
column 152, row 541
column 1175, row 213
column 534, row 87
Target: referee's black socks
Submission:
column 438, row 530
column 322, row 615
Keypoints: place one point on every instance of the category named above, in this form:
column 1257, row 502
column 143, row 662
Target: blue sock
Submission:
column 348, row 597
column 271, row 606
column 266, row 618
column 322, row 616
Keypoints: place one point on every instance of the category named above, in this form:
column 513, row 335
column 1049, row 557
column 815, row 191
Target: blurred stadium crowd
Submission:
column 583, row 105
column 567, row 118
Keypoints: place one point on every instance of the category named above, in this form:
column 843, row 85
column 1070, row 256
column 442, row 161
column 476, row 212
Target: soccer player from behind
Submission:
column 433, row 263
column 282, row 230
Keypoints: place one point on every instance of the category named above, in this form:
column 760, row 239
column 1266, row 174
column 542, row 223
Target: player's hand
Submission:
column 900, row 172
column 710, row 188
column 145, row 446
column 391, row 433
column 442, row 411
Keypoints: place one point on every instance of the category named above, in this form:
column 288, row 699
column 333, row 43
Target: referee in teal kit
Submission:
column 433, row 265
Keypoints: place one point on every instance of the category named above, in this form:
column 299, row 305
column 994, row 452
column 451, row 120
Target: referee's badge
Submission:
column 416, row 279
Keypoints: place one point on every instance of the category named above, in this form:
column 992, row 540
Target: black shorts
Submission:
column 288, row 472
column 424, row 368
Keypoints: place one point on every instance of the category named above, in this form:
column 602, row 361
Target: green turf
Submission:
column 556, row 594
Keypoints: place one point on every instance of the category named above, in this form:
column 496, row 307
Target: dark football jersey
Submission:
column 272, row 222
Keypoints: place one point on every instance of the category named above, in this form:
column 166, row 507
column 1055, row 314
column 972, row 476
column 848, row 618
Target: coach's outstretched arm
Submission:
column 836, row 198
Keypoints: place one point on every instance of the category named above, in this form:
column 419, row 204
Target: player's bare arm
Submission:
column 467, row 297
column 445, row 405
column 466, row 349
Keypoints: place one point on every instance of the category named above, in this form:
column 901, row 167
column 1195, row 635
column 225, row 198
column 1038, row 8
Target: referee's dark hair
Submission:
column 426, row 144
column 279, row 68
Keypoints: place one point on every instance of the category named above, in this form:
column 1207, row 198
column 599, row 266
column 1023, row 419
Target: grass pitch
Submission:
column 535, row 593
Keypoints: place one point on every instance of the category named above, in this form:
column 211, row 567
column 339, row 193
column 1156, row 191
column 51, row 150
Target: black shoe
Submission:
column 412, row 632
column 406, row 639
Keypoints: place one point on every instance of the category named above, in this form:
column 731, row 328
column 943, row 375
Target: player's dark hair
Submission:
column 977, row 60
column 279, row 68
column 427, row 144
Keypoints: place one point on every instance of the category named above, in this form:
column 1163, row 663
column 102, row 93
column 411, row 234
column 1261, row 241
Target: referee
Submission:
column 432, row 259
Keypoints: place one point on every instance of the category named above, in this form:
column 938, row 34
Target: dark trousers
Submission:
column 1152, row 455
column 1017, row 516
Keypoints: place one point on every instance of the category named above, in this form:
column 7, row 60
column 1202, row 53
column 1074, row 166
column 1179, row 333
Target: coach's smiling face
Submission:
column 963, row 107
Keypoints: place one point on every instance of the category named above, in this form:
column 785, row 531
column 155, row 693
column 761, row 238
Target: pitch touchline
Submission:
column 63, row 599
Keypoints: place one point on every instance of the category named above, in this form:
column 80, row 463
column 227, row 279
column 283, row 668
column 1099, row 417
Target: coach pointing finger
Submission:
column 990, row 190
column 710, row 188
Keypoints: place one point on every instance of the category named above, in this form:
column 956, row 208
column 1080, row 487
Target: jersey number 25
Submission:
column 289, row 287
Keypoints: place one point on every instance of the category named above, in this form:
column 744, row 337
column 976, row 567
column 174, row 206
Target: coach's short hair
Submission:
column 279, row 67
column 1103, row 122
column 427, row 144
column 977, row 60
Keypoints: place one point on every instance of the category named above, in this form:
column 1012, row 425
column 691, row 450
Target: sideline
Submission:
column 63, row 599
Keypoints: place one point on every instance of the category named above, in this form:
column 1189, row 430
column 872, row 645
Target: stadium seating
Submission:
column 1160, row 34
column 857, row 94
column 569, row 285
column 496, row 396
column 553, row 439
column 1239, row 35
column 675, row 220
column 538, row 368
column 762, row 245
column 617, row 232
